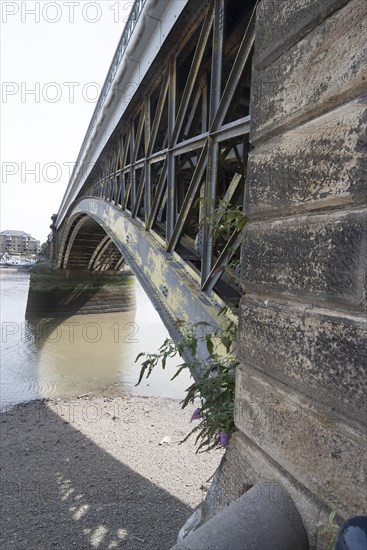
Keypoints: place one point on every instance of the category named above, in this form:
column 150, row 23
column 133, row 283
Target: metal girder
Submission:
column 158, row 196
column 169, row 170
column 220, row 265
column 194, row 69
column 211, row 173
column 189, row 199
column 165, row 278
column 158, row 113
column 105, row 242
column 236, row 72
column 69, row 244
column 171, row 195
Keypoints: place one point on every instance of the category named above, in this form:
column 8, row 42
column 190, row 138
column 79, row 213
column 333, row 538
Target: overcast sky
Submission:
column 54, row 59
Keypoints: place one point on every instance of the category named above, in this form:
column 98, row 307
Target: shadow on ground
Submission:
column 60, row 490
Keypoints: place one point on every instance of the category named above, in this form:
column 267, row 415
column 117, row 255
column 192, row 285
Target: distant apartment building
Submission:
column 18, row 242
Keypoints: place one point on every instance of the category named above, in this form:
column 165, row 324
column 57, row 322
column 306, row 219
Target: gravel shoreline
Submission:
column 96, row 472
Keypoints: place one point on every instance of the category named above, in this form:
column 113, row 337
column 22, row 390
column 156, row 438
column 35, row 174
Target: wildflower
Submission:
column 197, row 414
column 224, row 439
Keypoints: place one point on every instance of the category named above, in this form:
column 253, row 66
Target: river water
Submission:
column 81, row 354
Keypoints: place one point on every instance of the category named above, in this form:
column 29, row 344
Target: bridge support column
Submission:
column 53, row 243
column 61, row 293
column 301, row 389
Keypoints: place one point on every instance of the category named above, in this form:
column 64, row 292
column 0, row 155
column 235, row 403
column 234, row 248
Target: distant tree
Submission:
column 43, row 253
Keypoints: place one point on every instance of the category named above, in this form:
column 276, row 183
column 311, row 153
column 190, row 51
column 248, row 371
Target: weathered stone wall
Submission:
column 61, row 293
column 301, row 387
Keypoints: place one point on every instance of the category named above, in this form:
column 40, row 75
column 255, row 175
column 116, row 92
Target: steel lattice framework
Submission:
column 180, row 156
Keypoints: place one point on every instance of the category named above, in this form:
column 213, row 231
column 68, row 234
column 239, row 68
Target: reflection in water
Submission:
column 80, row 354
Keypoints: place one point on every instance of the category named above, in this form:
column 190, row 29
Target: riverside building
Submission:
column 18, row 242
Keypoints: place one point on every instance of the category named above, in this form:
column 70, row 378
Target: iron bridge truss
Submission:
column 182, row 150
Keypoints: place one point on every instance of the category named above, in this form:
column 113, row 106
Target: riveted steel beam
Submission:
column 194, row 69
column 236, row 73
column 171, row 180
column 196, row 180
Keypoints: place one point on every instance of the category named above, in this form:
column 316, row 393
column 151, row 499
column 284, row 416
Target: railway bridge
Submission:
column 218, row 112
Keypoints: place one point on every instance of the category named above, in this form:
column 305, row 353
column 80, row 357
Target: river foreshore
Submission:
column 99, row 471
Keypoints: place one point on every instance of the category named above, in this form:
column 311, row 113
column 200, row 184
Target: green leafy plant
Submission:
column 226, row 219
column 214, row 386
column 225, row 223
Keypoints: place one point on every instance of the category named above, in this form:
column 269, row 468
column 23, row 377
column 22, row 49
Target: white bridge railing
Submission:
column 122, row 45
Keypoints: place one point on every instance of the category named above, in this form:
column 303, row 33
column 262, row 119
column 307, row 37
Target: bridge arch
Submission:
column 85, row 245
column 172, row 289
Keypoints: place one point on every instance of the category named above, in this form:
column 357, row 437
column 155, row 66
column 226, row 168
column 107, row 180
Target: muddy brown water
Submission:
column 78, row 355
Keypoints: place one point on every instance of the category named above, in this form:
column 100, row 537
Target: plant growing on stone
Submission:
column 214, row 386
column 225, row 224
column 226, row 219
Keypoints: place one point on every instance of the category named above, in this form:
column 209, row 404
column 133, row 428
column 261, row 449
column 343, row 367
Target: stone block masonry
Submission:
column 320, row 352
column 302, row 385
column 323, row 70
column 320, row 164
column 62, row 293
column 308, row 440
column 320, row 259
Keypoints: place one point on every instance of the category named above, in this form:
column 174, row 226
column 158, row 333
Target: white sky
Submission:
column 41, row 132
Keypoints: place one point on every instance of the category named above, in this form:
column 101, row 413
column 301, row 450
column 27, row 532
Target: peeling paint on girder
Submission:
column 164, row 277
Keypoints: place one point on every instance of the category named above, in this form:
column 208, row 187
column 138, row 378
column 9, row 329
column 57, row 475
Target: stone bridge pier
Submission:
column 302, row 386
column 86, row 274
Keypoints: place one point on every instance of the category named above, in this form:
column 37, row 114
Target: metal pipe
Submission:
column 264, row 517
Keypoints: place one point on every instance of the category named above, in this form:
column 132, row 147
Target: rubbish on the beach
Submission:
column 166, row 440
